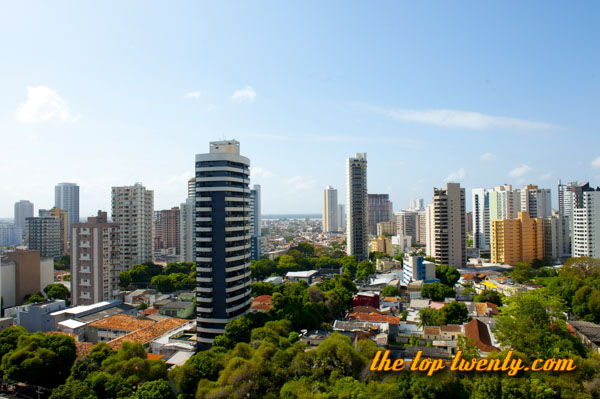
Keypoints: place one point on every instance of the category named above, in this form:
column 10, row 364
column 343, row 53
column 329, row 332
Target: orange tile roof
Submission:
column 365, row 309
column 154, row 356
column 73, row 335
column 261, row 306
column 390, row 299
column 262, row 299
column 122, row 322
column 431, row 330
column 150, row 311
column 478, row 331
column 374, row 317
column 83, row 348
column 480, row 308
column 147, row 334
column 451, row 328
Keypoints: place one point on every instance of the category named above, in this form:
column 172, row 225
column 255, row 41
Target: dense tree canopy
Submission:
column 448, row 275
column 437, row 291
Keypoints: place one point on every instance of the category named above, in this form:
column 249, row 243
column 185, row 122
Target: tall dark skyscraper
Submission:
column 222, row 238
column 356, row 207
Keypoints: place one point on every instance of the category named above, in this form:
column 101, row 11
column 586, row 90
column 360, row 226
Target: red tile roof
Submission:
column 262, row 299
column 147, row 334
column 374, row 317
column 478, row 332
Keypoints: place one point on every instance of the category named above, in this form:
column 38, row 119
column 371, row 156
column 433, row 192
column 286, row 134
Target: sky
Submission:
column 112, row 93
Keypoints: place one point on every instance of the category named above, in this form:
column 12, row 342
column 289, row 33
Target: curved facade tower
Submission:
column 222, row 242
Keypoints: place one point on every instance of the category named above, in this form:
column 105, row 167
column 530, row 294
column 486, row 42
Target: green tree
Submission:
column 163, row 283
column 73, row 389
column 455, row 313
column 259, row 288
column 448, row 275
column 437, row 291
column 489, row 296
column 364, row 270
column 158, row 389
column 124, row 279
column 522, row 272
column 35, row 299
column 431, row 317
column 62, row 263
column 390, row 290
column 306, row 249
column 56, row 291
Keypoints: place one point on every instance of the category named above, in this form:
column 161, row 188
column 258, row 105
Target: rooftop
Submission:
column 122, row 322
column 589, row 329
column 147, row 334
column 478, row 331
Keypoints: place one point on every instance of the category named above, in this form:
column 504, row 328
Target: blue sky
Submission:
column 111, row 93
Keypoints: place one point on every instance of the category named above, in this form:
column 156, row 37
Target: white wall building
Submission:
column 330, row 210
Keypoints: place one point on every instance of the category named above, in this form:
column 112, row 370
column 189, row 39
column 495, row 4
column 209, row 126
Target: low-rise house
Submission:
column 182, row 338
column 450, row 332
column 182, row 310
column 431, row 333
column 366, row 299
column 277, row 280
column 307, row 276
column 419, row 304
column 588, row 333
column 316, row 337
column 261, row 303
column 115, row 326
column 36, row 316
column 414, row 289
column 74, row 327
column 393, row 321
column 479, row 332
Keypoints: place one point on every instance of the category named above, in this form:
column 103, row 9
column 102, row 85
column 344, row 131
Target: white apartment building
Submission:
column 330, row 210
column 586, row 224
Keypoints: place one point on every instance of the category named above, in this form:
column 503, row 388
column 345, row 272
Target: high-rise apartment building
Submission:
column 330, row 210
column 43, row 234
column 10, row 235
column 416, row 204
column 341, row 217
column 63, row 217
column 187, row 231
column 469, row 220
column 255, row 223
column 585, row 233
column 386, row 229
column 133, row 209
column 556, row 237
column 517, row 240
column 504, row 202
column 446, row 227
column 192, row 187
column 481, row 218
column 536, row 201
column 380, row 210
column 167, row 229
column 357, row 222
column 23, row 210
column 222, row 238
column 66, row 197
column 23, row 272
column 95, row 260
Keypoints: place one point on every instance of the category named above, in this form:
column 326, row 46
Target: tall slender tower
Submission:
column 481, row 218
column 330, row 210
column 222, row 238
column 255, row 223
column 357, row 222
column 66, row 197
column 446, row 226
column 23, row 210
column 133, row 210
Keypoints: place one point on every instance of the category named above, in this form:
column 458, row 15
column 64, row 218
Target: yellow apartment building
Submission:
column 517, row 240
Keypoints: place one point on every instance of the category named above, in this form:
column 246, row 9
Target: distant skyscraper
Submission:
column 43, row 234
column 166, row 229
column 341, row 217
column 23, row 210
column 357, row 235
column 416, row 204
column 504, row 202
column 10, row 235
column 481, row 219
column 192, row 187
column 330, row 210
column 586, row 222
column 95, row 260
column 446, row 227
column 222, row 238
column 132, row 209
column 66, row 197
column 63, row 217
column 380, row 210
column 255, row 223
column 536, row 201
column 187, row 231
column 469, row 222
column 565, row 200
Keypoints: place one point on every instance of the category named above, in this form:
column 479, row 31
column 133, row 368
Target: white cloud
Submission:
column 44, row 105
column 462, row 119
column 194, row 94
column 596, row 163
column 488, row 156
column 460, row 174
column 520, row 171
column 258, row 172
column 297, row 183
column 545, row 176
column 211, row 107
column 245, row 94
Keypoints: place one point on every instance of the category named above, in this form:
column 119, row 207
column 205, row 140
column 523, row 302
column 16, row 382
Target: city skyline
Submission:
column 433, row 89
